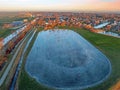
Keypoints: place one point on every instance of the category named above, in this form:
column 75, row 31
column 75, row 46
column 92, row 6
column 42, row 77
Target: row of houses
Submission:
column 55, row 21
column 8, row 44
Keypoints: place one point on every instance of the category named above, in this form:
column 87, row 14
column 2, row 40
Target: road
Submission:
column 12, row 86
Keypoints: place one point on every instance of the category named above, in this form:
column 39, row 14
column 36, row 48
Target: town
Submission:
column 90, row 21
column 101, row 23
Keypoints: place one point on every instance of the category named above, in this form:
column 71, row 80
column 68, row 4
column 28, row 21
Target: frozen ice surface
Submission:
column 64, row 59
column 101, row 25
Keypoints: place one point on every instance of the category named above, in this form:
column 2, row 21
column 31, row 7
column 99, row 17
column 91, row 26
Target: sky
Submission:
column 59, row 5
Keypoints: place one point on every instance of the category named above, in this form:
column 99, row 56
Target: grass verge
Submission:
column 24, row 80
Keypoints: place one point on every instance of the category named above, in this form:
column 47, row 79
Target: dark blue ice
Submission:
column 64, row 59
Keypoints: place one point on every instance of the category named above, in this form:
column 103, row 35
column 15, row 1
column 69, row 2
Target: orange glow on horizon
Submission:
column 68, row 5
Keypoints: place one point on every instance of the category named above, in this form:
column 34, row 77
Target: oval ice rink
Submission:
column 64, row 59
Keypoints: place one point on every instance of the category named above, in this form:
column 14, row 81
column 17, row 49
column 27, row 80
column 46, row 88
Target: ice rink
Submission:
column 64, row 59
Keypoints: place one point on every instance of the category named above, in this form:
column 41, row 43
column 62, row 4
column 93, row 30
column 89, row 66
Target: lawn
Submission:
column 9, row 19
column 5, row 32
column 110, row 46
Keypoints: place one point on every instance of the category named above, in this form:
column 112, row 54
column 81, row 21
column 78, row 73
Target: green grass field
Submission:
column 6, row 19
column 110, row 46
column 9, row 19
column 5, row 32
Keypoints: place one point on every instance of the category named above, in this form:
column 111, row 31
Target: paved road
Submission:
column 13, row 83
column 2, row 79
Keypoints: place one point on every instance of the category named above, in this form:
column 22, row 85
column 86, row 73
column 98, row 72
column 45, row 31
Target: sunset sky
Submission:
column 59, row 5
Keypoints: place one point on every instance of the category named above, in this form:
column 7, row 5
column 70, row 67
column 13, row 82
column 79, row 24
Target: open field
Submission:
column 6, row 19
column 5, row 32
column 110, row 46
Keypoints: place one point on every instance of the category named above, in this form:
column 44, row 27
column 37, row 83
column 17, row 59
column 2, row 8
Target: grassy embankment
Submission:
column 110, row 46
column 26, row 82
